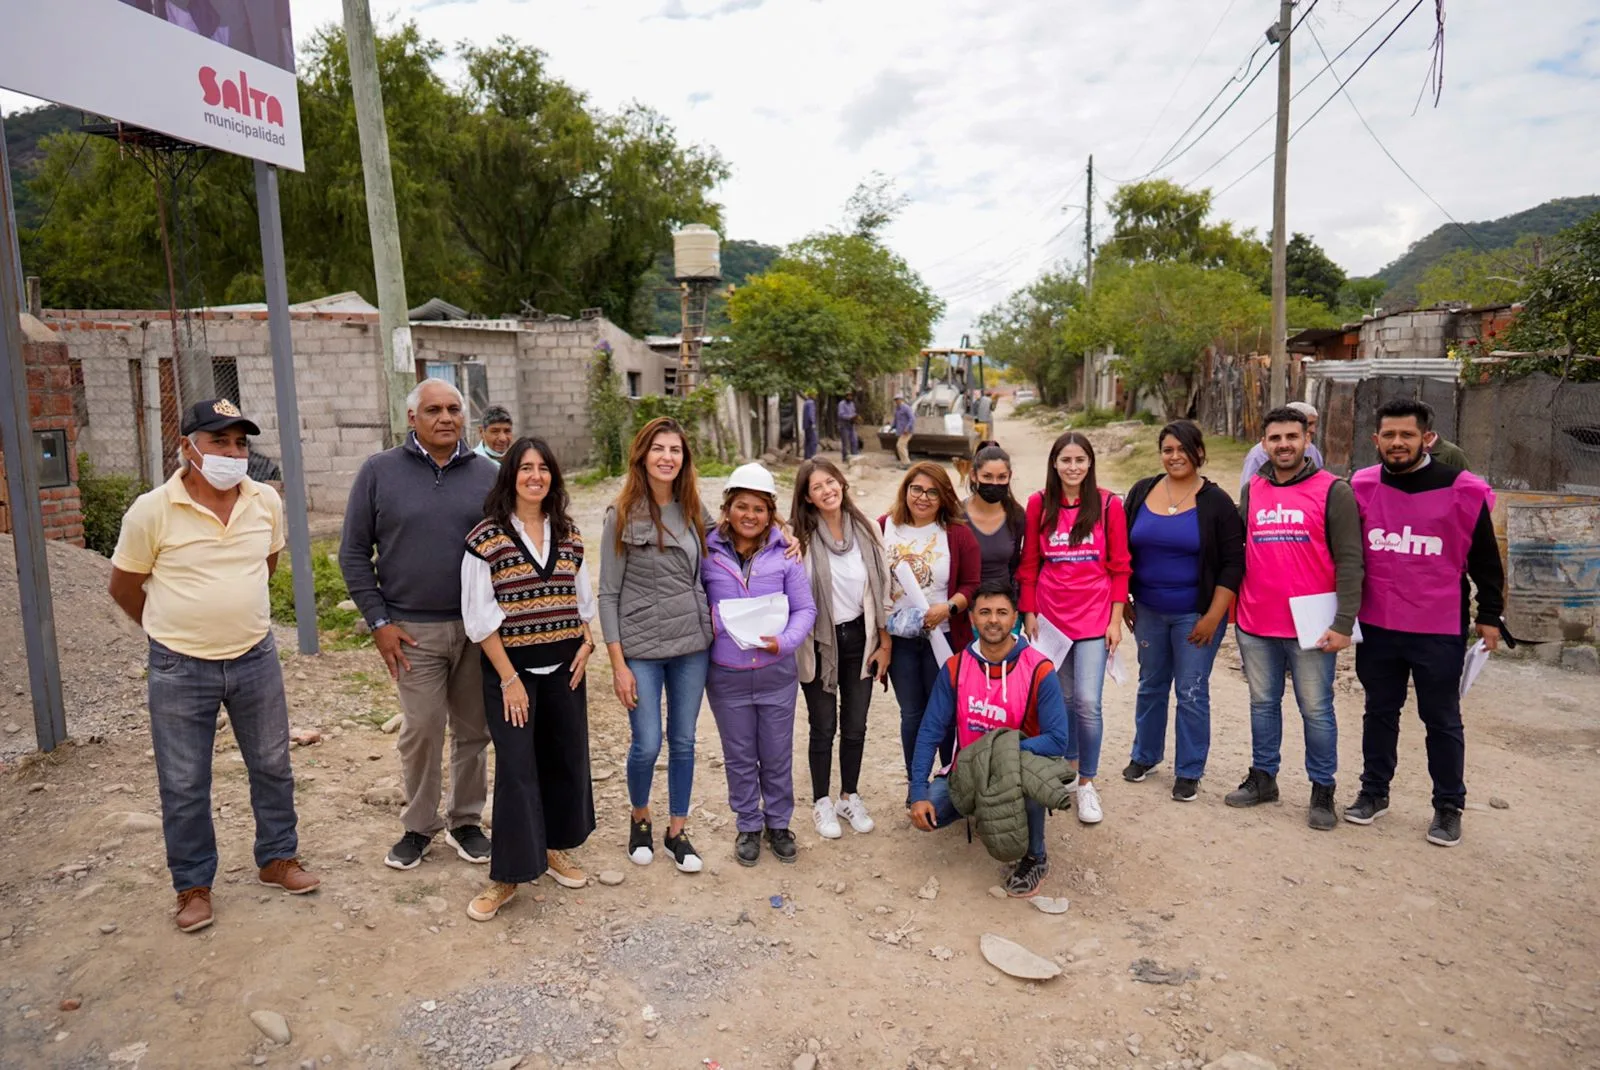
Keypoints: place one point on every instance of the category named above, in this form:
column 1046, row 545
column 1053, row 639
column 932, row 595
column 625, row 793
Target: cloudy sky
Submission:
column 985, row 112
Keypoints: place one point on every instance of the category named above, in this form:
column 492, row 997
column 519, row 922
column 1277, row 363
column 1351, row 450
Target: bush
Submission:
column 327, row 581
column 1093, row 416
column 693, row 412
column 105, row 499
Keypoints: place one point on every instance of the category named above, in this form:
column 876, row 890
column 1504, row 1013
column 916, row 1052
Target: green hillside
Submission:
column 24, row 131
column 1547, row 219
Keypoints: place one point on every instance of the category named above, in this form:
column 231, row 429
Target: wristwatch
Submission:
column 381, row 622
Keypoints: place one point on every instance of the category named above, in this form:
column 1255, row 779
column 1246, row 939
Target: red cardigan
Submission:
column 966, row 571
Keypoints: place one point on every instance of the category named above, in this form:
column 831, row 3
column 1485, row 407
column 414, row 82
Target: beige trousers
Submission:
column 902, row 448
column 442, row 689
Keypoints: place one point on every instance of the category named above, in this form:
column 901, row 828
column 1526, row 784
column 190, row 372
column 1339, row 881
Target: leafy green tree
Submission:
column 788, row 335
column 1024, row 333
column 1160, row 220
column 1561, row 311
column 1358, row 297
column 1495, row 277
column 1310, row 272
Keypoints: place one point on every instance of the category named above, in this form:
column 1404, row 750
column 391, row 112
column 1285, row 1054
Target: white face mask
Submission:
column 221, row 472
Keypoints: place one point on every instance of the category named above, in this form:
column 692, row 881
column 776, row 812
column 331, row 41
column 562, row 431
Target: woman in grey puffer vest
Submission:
column 657, row 626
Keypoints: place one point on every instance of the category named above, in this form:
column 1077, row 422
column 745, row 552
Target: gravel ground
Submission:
column 102, row 652
column 541, row 1012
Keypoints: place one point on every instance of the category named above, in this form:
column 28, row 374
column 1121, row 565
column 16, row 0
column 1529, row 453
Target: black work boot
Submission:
column 747, row 848
column 1256, row 788
column 783, row 844
column 1321, row 816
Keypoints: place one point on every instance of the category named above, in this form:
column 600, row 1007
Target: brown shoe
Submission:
column 194, row 909
column 290, row 875
column 488, row 902
column 562, row 869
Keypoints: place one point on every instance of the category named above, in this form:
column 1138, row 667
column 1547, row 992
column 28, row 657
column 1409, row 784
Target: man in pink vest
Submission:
column 1000, row 682
column 1302, row 537
column 1426, row 527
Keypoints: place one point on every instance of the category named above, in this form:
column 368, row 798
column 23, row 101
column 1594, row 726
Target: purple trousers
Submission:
column 754, row 709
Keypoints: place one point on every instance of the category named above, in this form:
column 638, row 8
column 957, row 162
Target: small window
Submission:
column 225, row 373
column 634, row 384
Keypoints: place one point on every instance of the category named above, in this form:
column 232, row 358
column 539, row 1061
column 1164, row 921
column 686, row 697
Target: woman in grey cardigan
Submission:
column 849, row 646
column 657, row 625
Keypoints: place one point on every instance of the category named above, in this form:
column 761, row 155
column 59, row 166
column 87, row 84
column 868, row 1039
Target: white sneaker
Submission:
column 1089, row 812
column 853, row 810
column 827, row 824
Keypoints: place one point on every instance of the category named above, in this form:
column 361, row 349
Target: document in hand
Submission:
column 1477, row 658
column 936, row 639
column 1051, row 642
column 1115, row 669
column 1313, row 615
column 748, row 619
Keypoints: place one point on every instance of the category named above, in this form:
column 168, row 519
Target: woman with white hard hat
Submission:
column 761, row 612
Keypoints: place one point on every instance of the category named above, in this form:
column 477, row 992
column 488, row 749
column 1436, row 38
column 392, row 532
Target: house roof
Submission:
column 1313, row 335
column 436, row 309
column 349, row 301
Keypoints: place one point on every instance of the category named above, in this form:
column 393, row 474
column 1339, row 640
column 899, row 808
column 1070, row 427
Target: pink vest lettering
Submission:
column 1074, row 590
column 1416, row 551
column 984, row 704
column 1285, row 552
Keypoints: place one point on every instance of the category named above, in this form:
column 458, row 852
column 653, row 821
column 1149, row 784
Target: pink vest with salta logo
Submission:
column 984, row 704
column 1416, row 551
column 1285, row 552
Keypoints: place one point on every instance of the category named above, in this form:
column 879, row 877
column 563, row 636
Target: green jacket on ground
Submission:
column 991, row 779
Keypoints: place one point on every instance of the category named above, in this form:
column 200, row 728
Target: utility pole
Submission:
column 1278, row 381
column 397, row 370
column 1088, row 272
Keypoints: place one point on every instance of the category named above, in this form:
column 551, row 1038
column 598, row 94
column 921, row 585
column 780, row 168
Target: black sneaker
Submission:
column 1366, row 809
column 1256, row 788
column 747, row 848
column 641, row 841
column 407, row 854
column 470, row 843
column 1184, row 789
column 683, row 853
column 1446, row 828
column 1134, row 772
column 1025, row 879
column 782, row 843
column 1321, row 816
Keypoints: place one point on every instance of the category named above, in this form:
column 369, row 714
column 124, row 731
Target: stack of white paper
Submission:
column 1051, row 641
column 748, row 619
column 914, row 595
column 1313, row 616
column 1477, row 658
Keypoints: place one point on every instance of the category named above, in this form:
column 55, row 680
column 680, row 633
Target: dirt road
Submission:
column 1358, row 947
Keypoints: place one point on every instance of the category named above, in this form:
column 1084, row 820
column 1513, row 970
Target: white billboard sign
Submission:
column 213, row 72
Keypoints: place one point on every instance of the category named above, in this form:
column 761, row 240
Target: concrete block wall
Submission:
column 553, row 382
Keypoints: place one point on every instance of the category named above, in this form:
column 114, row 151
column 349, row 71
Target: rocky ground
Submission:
column 1190, row 931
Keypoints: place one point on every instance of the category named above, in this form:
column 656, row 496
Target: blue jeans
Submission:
column 945, row 813
column 1168, row 662
column 1083, row 679
column 684, row 680
column 185, row 694
column 1265, row 660
column 913, row 670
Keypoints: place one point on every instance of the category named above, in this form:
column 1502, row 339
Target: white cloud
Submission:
column 986, row 113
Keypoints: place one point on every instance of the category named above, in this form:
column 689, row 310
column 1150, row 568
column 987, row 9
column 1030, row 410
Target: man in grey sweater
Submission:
column 1302, row 540
column 411, row 508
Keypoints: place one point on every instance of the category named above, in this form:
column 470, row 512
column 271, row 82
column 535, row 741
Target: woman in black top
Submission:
column 1187, row 543
column 993, row 513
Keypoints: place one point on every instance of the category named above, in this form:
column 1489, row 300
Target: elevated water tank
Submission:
column 696, row 253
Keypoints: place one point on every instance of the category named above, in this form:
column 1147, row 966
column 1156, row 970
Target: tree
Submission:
column 1160, row 220
column 1311, row 272
column 898, row 309
column 1160, row 316
column 873, row 206
column 1561, row 312
column 1024, row 334
column 1498, row 276
column 787, row 335
column 1361, row 296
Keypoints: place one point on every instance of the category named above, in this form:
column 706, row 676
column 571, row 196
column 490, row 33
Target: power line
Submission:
column 38, row 230
column 1307, row 85
column 1185, row 79
column 1401, row 168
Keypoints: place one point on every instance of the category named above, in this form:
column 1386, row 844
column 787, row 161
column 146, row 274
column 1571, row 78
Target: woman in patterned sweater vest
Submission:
column 526, row 600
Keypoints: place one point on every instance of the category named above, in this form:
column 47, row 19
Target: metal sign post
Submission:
column 22, row 486
column 294, row 472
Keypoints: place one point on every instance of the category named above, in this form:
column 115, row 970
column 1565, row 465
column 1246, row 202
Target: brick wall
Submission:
column 50, row 409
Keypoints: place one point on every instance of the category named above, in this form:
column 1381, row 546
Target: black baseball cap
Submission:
column 217, row 414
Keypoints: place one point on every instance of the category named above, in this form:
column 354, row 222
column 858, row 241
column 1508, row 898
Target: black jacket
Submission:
column 1221, row 536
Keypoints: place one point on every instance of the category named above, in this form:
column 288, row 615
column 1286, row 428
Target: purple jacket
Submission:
column 770, row 573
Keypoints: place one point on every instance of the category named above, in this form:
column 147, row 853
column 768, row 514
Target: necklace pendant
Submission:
column 1172, row 510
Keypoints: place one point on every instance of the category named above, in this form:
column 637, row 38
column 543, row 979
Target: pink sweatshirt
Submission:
column 1074, row 586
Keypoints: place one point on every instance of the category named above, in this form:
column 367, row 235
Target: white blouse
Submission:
column 481, row 613
column 849, row 573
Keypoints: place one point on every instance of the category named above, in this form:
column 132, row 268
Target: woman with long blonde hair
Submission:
column 657, row 625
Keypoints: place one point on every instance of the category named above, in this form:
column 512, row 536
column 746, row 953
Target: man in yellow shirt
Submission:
column 191, row 568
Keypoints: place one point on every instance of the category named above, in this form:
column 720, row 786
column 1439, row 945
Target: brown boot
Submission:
column 194, row 909
column 290, row 875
